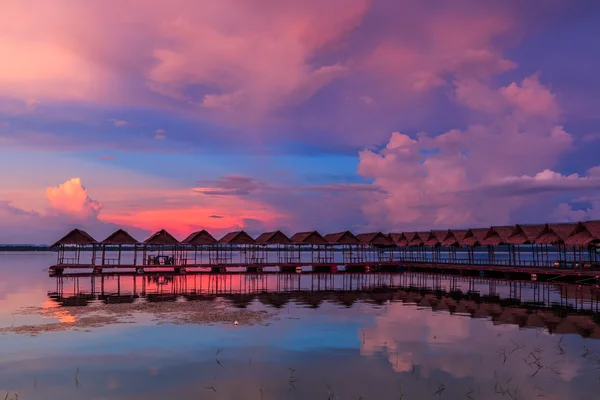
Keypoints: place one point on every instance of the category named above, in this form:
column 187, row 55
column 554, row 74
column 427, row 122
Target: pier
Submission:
column 566, row 251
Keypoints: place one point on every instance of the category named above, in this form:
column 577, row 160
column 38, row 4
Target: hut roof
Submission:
column 346, row 237
column 200, row 238
column 407, row 238
column 556, row 233
column 276, row 237
column 76, row 237
column 396, row 237
column 375, row 239
column 455, row 237
column 498, row 235
column 237, row 237
column 313, row 237
column 120, row 237
column 419, row 238
column 162, row 237
column 436, row 238
column 524, row 234
column 585, row 234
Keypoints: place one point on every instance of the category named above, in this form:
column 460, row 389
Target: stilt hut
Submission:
column 349, row 245
column 474, row 239
column 376, row 246
column 118, row 239
column 555, row 235
column 584, row 242
column 163, row 249
column 71, row 246
column 418, row 244
column 497, row 236
column 434, row 242
column 399, row 240
column 409, row 251
column 527, row 235
column 242, row 245
column 313, row 242
column 276, row 243
column 454, row 240
column 204, row 246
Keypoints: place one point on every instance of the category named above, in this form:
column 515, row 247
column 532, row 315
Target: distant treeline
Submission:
column 24, row 247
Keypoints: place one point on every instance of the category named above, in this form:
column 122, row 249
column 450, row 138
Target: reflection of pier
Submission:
column 558, row 308
column 556, row 251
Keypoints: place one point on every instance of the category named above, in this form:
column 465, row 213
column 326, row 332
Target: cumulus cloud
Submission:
column 71, row 198
column 462, row 177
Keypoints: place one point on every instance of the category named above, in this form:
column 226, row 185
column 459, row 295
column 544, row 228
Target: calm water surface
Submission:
column 402, row 336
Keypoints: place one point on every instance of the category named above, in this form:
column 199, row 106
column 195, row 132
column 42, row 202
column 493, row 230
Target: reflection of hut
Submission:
column 164, row 248
column 345, row 298
column 240, row 300
column 242, row 243
column 277, row 242
column 204, row 246
column 71, row 246
column 314, row 242
column 199, row 297
column 310, row 299
column 161, row 297
column 348, row 243
column 119, row 238
column 118, row 299
column 79, row 300
column 276, row 300
column 375, row 246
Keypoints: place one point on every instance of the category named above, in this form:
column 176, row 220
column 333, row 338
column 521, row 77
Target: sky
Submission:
column 367, row 115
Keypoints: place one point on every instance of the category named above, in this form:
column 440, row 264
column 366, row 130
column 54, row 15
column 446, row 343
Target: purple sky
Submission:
column 315, row 114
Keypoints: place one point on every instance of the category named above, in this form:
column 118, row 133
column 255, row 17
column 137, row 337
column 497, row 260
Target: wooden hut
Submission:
column 555, row 235
column 497, row 236
column 163, row 248
column 119, row 239
column 348, row 243
column 434, row 242
column 453, row 240
column 275, row 242
column 400, row 245
column 584, row 242
column 204, row 246
column 472, row 239
column 71, row 245
column 241, row 244
column 375, row 246
column 314, row 242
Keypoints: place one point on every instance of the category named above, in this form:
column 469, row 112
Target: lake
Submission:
column 298, row 336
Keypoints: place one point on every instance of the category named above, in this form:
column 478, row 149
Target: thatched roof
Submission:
column 276, row 237
column 237, row 237
column 396, row 237
column 200, row 238
column 162, row 238
column 556, row 233
column 346, row 237
column 120, row 237
column 585, row 234
column 76, row 237
column 435, row 238
column 377, row 239
column 498, row 235
column 313, row 237
column 525, row 234
column 455, row 237
column 419, row 238
column 408, row 237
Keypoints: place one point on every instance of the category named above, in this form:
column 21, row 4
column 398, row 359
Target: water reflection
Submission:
column 348, row 336
column 564, row 309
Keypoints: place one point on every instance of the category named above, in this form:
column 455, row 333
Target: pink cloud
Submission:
column 434, row 181
column 72, row 199
column 108, row 158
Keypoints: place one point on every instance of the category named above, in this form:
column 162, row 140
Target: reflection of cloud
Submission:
column 461, row 346
column 52, row 310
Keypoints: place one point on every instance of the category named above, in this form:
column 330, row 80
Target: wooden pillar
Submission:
column 103, row 253
column 119, row 257
column 135, row 254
